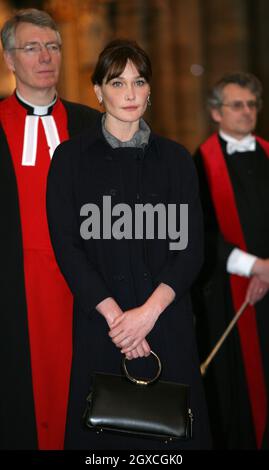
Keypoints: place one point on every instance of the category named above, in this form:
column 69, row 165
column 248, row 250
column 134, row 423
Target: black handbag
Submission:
column 145, row 408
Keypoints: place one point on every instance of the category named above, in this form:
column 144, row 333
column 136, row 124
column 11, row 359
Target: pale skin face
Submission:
column 36, row 74
column 125, row 101
column 236, row 123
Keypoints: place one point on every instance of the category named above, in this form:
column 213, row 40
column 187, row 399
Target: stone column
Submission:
column 258, row 55
column 65, row 14
column 164, row 110
column 189, row 71
column 225, row 36
column 93, row 33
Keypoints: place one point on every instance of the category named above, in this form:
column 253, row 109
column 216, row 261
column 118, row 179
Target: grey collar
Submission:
column 140, row 138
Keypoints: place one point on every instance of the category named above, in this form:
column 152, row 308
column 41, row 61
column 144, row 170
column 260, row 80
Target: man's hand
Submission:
column 261, row 269
column 257, row 289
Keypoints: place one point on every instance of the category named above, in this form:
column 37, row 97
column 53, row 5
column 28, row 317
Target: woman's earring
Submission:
column 100, row 100
column 148, row 100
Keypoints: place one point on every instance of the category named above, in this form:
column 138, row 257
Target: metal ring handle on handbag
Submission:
column 143, row 382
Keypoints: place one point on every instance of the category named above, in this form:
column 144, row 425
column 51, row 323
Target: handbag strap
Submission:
column 139, row 381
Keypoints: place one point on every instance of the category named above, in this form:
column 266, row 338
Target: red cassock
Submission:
column 49, row 300
column 230, row 225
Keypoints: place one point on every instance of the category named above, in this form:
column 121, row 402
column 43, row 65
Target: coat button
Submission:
column 118, row 277
column 146, row 275
column 113, row 192
column 208, row 288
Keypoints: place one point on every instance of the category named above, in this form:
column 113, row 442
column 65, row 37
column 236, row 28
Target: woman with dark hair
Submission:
column 131, row 290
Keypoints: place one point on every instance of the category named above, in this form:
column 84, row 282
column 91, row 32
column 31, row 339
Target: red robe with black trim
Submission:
column 49, row 300
column 235, row 196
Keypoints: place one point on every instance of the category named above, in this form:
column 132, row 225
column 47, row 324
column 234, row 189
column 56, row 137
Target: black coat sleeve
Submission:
column 183, row 266
column 85, row 282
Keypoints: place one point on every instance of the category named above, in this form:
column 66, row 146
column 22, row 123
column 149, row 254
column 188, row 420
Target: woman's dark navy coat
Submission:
column 84, row 170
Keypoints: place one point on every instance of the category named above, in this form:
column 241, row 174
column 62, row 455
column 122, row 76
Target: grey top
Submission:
column 139, row 139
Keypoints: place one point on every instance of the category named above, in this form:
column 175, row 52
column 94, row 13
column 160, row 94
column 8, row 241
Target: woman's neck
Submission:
column 124, row 131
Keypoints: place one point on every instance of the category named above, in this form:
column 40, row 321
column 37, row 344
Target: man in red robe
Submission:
column 233, row 167
column 35, row 302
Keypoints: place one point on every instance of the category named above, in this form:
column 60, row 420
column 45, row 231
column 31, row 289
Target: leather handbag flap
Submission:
column 158, row 410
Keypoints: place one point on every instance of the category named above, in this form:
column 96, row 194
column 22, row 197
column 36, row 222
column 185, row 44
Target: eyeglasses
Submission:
column 240, row 105
column 36, row 48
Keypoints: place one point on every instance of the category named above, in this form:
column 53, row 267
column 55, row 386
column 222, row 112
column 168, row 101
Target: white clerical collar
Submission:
column 247, row 144
column 37, row 110
column 30, row 140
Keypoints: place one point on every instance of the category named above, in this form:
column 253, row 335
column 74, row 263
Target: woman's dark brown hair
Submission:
column 114, row 57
